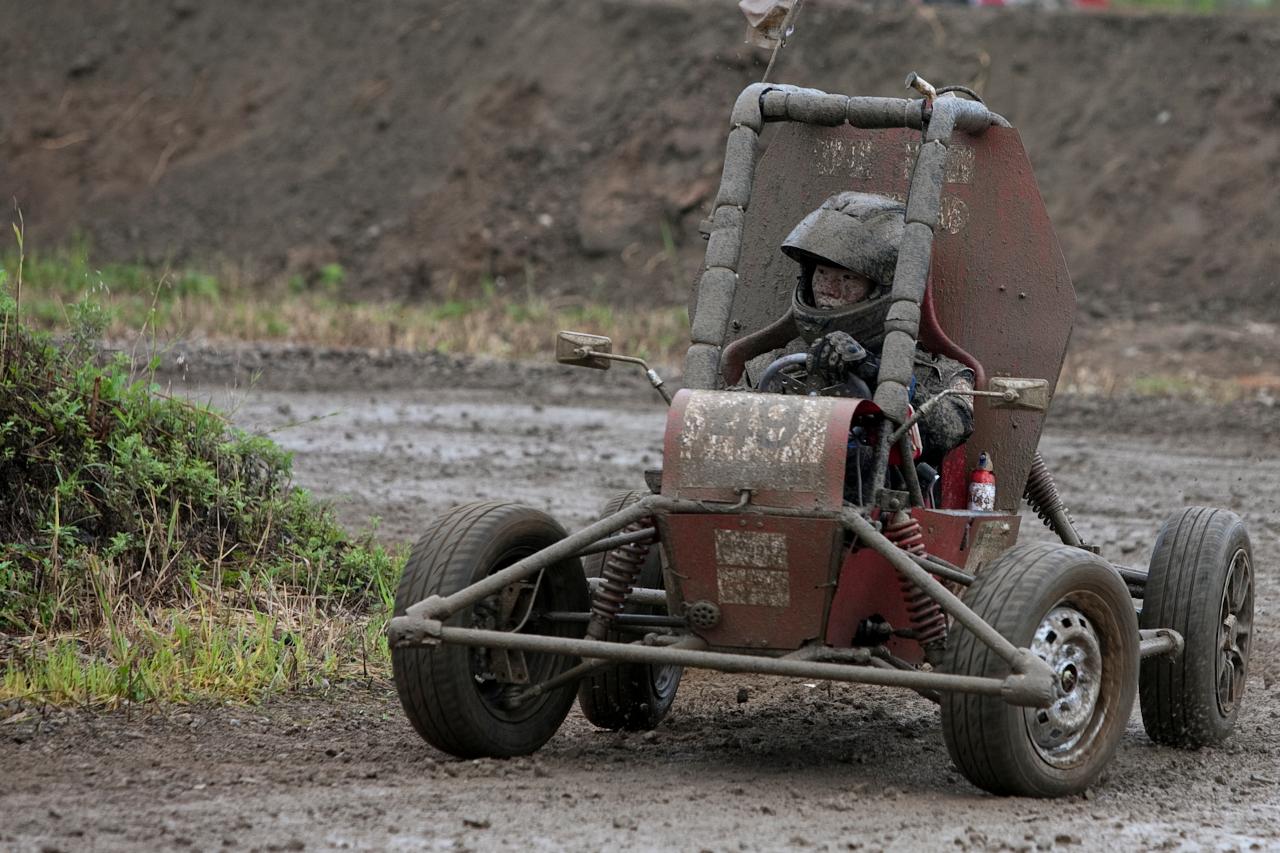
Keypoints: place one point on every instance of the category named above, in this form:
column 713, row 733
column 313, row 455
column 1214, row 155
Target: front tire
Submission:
column 1072, row 610
column 1200, row 584
column 451, row 693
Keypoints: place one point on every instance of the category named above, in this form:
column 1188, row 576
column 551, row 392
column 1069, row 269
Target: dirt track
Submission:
column 796, row 766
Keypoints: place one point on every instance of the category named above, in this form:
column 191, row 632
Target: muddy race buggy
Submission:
column 745, row 553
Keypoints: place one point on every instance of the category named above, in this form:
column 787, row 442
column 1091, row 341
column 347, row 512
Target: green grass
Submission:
column 1161, row 385
column 148, row 550
column 195, row 304
column 208, row 651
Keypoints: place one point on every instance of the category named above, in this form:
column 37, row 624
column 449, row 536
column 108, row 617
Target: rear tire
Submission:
column 1200, row 584
column 450, row 693
column 629, row 696
column 1073, row 610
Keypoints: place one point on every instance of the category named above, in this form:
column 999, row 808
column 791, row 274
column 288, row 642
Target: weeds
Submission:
column 94, row 462
column 217, row 647
column 190, row 304
column 147, row 549
column 1090, row 378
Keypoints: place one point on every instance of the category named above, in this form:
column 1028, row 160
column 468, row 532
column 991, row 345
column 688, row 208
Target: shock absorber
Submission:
column 622, row 566
column 904, row 531
column 1042, row 495
column 928, row 621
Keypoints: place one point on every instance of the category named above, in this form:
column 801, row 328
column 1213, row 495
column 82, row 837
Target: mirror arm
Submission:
column 654, row 379
column 1006, row 396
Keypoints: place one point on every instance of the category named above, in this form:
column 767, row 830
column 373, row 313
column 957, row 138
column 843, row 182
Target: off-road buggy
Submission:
column 744, row 554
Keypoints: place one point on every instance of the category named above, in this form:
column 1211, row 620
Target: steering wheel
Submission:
column 786, row 375
column 790, row 375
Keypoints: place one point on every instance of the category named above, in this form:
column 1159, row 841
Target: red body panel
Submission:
column 955, row 483
column 789, row 451
column 771, row 577
column 781, row 582
column 869, row 586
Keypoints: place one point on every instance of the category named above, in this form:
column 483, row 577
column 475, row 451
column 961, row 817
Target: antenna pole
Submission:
column 788, row 24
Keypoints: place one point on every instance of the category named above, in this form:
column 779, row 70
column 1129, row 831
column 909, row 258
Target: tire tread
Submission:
column 427, row 679
column 1183, row 592
column 972, row 724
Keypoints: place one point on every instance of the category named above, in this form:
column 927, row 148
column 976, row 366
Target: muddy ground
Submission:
column 797, row 765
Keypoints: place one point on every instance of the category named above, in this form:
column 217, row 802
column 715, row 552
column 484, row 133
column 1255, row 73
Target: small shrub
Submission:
column 96, row 462
column 148, row 550
column 332, row 276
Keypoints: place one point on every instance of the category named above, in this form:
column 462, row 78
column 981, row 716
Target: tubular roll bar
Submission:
column 759, row 103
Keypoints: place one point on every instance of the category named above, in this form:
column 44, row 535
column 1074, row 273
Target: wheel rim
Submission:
column 1067, row 641
column 1235, row 632
column 664, row 679
column 502, row 699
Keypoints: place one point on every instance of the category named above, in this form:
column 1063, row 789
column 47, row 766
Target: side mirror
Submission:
column 1017, row 393
column 583, row 350
column 596, row 351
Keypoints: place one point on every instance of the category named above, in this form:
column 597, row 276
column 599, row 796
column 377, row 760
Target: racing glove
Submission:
column 836, row 354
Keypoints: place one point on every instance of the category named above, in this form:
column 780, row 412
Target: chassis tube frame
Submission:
column 646, row 535
column 1013, row 688
column 1160, row 642
column 421, row 623
column 439, row 608
column 946, row 599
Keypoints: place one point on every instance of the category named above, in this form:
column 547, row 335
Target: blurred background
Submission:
column 466, row 176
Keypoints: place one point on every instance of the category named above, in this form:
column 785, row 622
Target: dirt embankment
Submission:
column 574, row 147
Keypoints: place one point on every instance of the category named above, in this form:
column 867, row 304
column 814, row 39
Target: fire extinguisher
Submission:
column 982, row 486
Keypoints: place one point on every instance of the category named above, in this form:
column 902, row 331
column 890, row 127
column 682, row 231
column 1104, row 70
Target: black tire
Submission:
column 444, row 689
column 1035, row 595
column 1200, row 584
column 630, row 696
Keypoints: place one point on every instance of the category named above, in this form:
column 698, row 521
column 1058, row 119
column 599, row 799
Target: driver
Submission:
column 847, row 250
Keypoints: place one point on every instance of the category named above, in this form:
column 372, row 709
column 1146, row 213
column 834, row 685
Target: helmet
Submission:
column 859, row 232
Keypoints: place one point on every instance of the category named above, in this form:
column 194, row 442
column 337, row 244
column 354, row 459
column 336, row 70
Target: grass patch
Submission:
column 1159, row 385
column 1088, row 378
column 148, row 550
column 179, row 303
column 214, row 649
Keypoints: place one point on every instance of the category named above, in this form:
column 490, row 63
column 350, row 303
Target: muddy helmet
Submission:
column 859, row 232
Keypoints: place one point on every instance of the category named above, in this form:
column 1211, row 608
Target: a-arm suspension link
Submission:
column 1021, row 661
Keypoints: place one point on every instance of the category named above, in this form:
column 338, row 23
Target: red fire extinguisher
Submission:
column 982, row 486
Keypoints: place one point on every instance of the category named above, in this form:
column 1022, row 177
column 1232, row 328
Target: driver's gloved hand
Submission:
column 836, row 354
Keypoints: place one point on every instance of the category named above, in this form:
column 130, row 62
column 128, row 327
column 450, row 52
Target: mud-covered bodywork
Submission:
column 779, row 583
column 769, row 579
column 787, row 451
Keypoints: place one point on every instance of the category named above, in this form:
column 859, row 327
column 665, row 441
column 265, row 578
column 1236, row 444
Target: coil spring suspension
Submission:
column 622, row 566
column 928, row 620
column 1042, row 495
